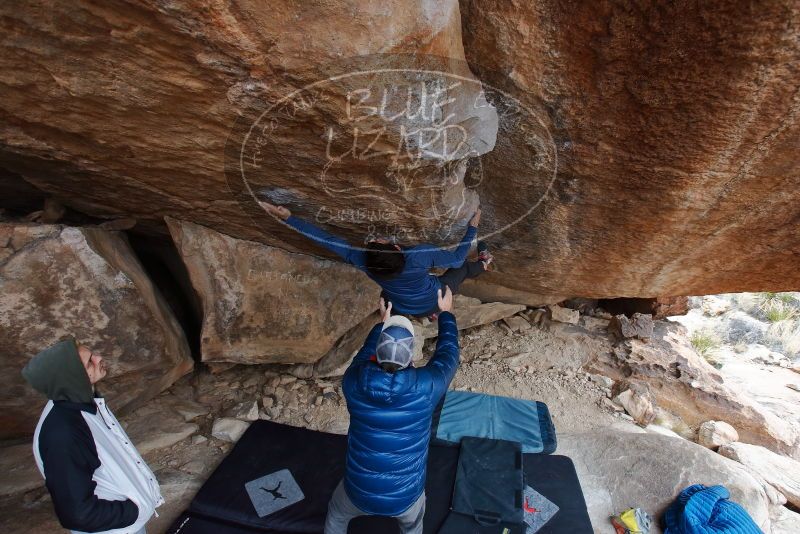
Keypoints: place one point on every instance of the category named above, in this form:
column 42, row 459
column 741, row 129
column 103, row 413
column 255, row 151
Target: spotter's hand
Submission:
column 446, row 301
column 386, row 310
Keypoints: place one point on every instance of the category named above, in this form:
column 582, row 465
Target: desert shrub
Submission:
column 776, row 308
column 704, row 342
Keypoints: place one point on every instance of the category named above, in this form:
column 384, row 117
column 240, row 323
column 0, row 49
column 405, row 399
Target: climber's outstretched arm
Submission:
column 432, row 256
column 335, row 244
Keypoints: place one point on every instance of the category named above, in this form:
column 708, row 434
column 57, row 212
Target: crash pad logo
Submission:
column 389, row 147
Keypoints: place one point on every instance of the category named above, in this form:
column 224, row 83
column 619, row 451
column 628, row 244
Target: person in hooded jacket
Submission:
column 391, row 405
column 96, row 478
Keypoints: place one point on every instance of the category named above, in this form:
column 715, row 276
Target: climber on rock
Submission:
column 391, row 405
column 402, row 272
column 97, row 480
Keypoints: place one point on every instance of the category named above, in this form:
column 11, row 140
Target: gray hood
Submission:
column 59, row 374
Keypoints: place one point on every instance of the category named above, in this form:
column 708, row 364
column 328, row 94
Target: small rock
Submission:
column 303, row 370
column 564, row 315
column 194, row 467
column 518, row 359
column 287, row 379
column 267, row 402
column 537, row 316
column 229, row 429
column 593, row 324
column 714, row 306
column 280, row 394
column 713, row 434
column 187, row 409
column 271, row 383
column 602, row 381
column 308, row 418
column 639, row 326
column 517, row 323
column 246, row 411
column 198, row 439
column 252, row 381
column 611, row 405
column 600, row 313
column 318, row 400
column 637, row 401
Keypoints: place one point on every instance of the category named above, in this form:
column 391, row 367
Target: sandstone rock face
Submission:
column 58, row 281
column 684, row 384
column 622, row 469
column 639, row 124
column 262, row 304
column 778, row 471
column 19, row 470
column 618, row 152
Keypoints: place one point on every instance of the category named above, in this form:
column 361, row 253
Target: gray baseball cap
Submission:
column 396, row 342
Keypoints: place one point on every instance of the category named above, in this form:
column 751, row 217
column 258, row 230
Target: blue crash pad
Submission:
column 466, row 414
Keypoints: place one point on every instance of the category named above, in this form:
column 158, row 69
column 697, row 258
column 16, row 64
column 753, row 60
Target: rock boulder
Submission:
column 262, row 304
column 683, row 383
column 713, row 434
column 779, row 471
column 621, row 470
column 87, row 282
column 610, row 165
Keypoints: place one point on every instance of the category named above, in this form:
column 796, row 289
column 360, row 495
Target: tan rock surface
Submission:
column 58, row 281
column 621, row 470
column 683, row 383
column 262, row 304
column 674, row 129
column 781, row 472
column 676, row 126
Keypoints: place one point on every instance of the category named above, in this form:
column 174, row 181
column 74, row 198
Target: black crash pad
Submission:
column 316, row 460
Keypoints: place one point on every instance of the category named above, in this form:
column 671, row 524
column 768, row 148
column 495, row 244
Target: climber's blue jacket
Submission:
column 413, row 291
column 390, row 423
column 707, row 510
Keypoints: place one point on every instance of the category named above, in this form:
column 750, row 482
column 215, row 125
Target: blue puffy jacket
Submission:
column 390, row 423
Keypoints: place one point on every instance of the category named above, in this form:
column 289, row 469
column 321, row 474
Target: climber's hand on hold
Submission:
column 446, row 301
column 476, row 219
column 276, row 211
column 386, row 310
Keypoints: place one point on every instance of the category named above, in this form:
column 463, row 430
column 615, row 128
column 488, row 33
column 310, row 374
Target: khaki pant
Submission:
column 341, row 510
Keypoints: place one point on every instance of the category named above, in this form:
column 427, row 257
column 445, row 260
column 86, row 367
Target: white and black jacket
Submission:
column 96, row 477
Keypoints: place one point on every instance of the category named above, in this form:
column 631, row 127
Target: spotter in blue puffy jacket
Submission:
column 390, row 423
